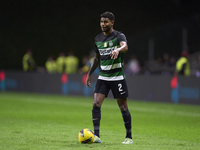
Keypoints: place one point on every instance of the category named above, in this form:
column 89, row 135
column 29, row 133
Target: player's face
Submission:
column 106, row 24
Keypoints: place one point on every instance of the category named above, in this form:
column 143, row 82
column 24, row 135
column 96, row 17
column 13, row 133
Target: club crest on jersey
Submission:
column 110, row 43
column 105, row 44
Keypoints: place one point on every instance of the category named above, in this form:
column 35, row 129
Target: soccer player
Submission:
column 110, row 46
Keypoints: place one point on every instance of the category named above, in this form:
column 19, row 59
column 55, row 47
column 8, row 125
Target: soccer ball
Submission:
column 85, row 136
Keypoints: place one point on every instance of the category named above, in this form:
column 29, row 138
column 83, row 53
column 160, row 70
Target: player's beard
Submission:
column 106, row 30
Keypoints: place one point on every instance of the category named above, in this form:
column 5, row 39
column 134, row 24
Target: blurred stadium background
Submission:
column 49, row 27
column 41, row 110
column 157, row 32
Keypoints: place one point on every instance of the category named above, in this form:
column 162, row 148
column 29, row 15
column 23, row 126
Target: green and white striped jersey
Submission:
column 110, row 69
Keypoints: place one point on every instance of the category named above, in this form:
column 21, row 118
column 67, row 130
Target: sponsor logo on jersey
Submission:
column 107, row 51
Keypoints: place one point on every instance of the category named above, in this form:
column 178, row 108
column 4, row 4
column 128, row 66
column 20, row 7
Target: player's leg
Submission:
column 101, row 91
column 96, row 112
column 122, row 103
column 120, row 92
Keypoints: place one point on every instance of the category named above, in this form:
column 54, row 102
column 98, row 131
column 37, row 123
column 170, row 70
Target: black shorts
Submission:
column 119, row 88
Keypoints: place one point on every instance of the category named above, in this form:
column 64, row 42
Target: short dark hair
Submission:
column 108, row 15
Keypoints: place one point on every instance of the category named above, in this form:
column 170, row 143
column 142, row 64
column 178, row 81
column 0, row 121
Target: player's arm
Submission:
column 94, row 65
column 123, row 48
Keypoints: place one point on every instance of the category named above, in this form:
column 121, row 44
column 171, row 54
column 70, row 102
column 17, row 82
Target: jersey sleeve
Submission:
column 121, row 37
column 95, row 46
column 96, row 49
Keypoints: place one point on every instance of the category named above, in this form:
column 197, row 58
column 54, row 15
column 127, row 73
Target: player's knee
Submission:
column 122, row 107
column 96, row 104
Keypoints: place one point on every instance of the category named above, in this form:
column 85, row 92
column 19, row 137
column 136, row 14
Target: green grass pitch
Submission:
column 52, row 122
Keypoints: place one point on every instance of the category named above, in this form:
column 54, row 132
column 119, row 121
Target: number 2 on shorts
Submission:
column 120, row 87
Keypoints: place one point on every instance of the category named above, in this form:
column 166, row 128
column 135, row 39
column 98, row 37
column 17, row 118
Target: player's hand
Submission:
column 114, row 54
column 88, row 81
